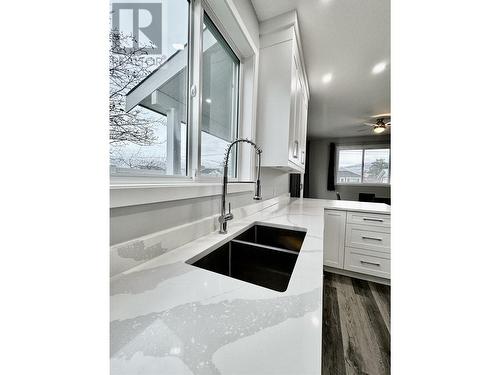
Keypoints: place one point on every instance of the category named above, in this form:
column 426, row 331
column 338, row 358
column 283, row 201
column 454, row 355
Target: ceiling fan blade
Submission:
column 382, row 115
column 369, row 124
column 388, row 124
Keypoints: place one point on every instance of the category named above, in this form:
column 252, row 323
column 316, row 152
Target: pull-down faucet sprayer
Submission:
column 224, row 218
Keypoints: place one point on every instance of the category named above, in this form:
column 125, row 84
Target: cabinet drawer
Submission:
column 366, row 264
column 378, row 220
column 368, row 237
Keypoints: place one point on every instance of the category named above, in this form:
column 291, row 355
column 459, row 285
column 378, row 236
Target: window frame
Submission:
column 362, row 148
column 197, row 10
column 206, row 10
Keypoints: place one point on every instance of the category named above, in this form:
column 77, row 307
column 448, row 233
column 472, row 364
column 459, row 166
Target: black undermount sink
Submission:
column 262, row 255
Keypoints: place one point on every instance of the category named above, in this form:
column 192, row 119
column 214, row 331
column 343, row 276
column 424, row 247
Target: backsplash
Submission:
column 126, row 255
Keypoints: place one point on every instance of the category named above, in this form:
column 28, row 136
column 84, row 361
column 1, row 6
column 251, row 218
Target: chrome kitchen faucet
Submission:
column 224, row 218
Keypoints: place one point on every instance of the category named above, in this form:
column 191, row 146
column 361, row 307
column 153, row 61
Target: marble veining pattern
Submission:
column 200, row 330
column 169, row 317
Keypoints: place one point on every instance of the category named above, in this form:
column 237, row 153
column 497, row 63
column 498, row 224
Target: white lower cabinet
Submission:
column 358, row 242
column 334, row 235
column 376, row 220
column 368, row 237
column 364, row 262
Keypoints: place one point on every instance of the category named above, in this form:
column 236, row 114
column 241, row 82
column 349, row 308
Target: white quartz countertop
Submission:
column 169, row 317
column 376, row 208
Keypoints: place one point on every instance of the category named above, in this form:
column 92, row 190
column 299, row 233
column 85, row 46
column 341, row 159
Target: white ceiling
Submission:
column 346, row 38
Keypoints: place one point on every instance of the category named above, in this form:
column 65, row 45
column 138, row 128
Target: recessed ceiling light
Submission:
column 208, row 100
column 327, row 78
column 379, row 68
column 178, row 46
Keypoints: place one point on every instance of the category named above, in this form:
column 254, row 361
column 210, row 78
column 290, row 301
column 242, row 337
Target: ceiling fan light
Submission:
column 379, row 129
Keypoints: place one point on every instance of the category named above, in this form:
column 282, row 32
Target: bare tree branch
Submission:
column 128, row 66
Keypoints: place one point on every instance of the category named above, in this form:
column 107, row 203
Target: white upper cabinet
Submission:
column 283, row 95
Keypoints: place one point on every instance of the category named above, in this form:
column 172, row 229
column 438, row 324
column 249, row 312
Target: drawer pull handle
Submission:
column 371, row 219
column 372, row 263
column 371, row 238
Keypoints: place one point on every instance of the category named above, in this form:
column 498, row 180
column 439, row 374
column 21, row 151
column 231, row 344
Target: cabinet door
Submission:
column 303, row 128
column 333, row 238
column 298, row 123
column 293, row 145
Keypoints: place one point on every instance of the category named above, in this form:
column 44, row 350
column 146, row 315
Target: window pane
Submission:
column 219, row 101
column 376, row 166
column 148, row 87
column 349, row 170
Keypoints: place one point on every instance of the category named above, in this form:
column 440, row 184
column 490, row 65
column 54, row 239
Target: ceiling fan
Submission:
column 382, row 123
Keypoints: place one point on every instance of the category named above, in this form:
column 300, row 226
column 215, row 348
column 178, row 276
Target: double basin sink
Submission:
column 262, row 255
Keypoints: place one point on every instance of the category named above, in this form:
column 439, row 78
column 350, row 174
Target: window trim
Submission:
column 363, row 148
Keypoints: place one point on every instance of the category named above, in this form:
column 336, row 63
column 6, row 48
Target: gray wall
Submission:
column 319, row 155
column 130, row 222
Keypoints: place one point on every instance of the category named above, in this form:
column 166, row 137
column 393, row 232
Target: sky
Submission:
column 349, row 158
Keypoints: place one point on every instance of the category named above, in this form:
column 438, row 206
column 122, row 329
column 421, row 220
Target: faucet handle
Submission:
column 229, row 215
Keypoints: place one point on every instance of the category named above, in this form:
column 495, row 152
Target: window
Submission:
column 220, row 68
column 174, row 93
column 349, row 170
column 363, row 165
column 376, row 166
column 148, row 88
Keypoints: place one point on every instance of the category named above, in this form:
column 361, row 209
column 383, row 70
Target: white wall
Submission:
column 274, row 183
column 319, row 155
column 247, row 13
column 130, row 222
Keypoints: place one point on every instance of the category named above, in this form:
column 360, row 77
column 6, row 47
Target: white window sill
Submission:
column 122, row 195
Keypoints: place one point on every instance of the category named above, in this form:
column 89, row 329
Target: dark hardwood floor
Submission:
column 356, row 326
